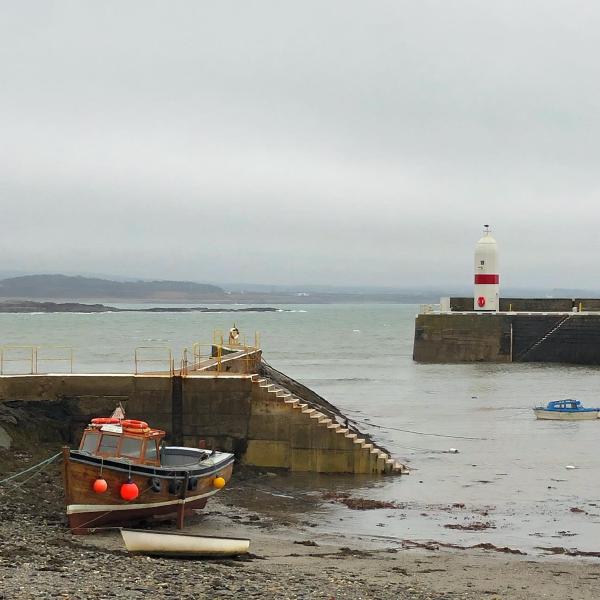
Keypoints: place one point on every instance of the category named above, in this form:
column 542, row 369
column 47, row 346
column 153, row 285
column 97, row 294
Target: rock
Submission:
column 5, row 439
column 8, row 415
column 306, row 543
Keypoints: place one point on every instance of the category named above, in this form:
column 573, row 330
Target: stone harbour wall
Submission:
column 453, row 338
column 571, row 338
column 466, row 304
column 265, row 425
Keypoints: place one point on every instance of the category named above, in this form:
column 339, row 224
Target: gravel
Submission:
column 40, row 558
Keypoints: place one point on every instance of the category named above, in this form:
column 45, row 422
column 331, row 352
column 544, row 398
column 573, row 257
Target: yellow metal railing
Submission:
column 250, row 360
column 219, row 358
column 31, row 357
column 210, row 357
column 25, row 355
column 140, row 360
column 198, row 354
column 191, row 360
column 41, row 358
column 241, row 341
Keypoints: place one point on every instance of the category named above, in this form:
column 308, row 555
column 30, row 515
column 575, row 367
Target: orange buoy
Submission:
column 105, row 421
column 219, row 482
column 136, row 431
column 100, row 486
column 134, row 424
column 129, row 491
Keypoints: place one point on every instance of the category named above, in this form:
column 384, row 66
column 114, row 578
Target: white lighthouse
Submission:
column 487, row 279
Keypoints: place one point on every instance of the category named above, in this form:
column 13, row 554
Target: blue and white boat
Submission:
column 566, row 410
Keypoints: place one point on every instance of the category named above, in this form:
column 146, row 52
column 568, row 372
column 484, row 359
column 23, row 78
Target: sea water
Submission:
column 467, row 431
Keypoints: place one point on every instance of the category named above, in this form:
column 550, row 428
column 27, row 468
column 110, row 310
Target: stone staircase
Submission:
column 288, row 432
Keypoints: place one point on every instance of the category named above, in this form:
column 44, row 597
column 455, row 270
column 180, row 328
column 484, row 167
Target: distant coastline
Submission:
column 95, row 290
column 76, row 307
column 64, row 288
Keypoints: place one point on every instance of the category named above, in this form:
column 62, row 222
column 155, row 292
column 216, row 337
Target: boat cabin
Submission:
column 564, row 405
column 114, row 441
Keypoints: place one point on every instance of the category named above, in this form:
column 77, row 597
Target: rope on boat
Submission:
column 33, row 468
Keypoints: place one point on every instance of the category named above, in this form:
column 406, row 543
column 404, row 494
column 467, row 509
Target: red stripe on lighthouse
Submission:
column 487, row 278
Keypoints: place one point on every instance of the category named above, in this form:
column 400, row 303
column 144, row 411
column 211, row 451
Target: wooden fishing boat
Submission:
column 566, row 410
column 123, row 472
column 181, row 544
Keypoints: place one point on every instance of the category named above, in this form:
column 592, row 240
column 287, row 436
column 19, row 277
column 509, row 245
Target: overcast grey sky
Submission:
column 285, row 142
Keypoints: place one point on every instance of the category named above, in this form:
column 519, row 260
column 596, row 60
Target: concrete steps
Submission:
column 544, row 337
column 298, row 436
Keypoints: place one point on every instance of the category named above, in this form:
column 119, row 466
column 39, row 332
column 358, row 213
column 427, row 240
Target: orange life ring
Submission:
column 137, row 431
column 134, row 424
column 105, row 421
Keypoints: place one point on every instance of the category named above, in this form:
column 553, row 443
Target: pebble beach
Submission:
column 40, row 558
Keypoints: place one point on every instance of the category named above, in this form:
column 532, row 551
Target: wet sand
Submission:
column 289, row 558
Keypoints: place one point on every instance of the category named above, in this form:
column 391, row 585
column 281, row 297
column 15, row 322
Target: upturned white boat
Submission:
column 566, row 410
column 182, row 544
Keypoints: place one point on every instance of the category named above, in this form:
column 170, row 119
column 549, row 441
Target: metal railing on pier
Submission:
column 210, row 357
column 42, row 357
column 30, row 360
column 148, row 355
column 35, row 359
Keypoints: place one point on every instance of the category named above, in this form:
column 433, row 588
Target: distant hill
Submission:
column 67, row 287
column 80, row 287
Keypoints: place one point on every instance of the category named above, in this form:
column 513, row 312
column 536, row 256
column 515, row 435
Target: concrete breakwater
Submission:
column 559, row 337
column 239, row 410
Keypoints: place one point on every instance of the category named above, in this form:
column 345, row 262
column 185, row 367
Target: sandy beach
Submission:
column 39, row 558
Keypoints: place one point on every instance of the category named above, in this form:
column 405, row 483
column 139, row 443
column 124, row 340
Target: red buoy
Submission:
column 129, row 491
column 100, row 485
column 481, row 301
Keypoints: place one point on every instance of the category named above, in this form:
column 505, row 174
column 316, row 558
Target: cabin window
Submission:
column 90, row 442
column 108, row 445
column 151, row 451
column 131, row 447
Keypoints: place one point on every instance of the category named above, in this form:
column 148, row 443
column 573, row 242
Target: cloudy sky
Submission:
column 338, row 142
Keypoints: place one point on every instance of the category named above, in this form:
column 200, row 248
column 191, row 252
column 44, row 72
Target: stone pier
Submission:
column 234, row 409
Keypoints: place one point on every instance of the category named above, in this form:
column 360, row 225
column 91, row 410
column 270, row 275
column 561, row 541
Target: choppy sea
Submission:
column 520, row 477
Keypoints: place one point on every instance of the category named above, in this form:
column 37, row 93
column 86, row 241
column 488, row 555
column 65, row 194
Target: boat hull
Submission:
column 553, row 415
column 174, row 544
column 161, row 494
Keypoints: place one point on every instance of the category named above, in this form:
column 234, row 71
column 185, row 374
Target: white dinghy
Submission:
column 182, row 544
